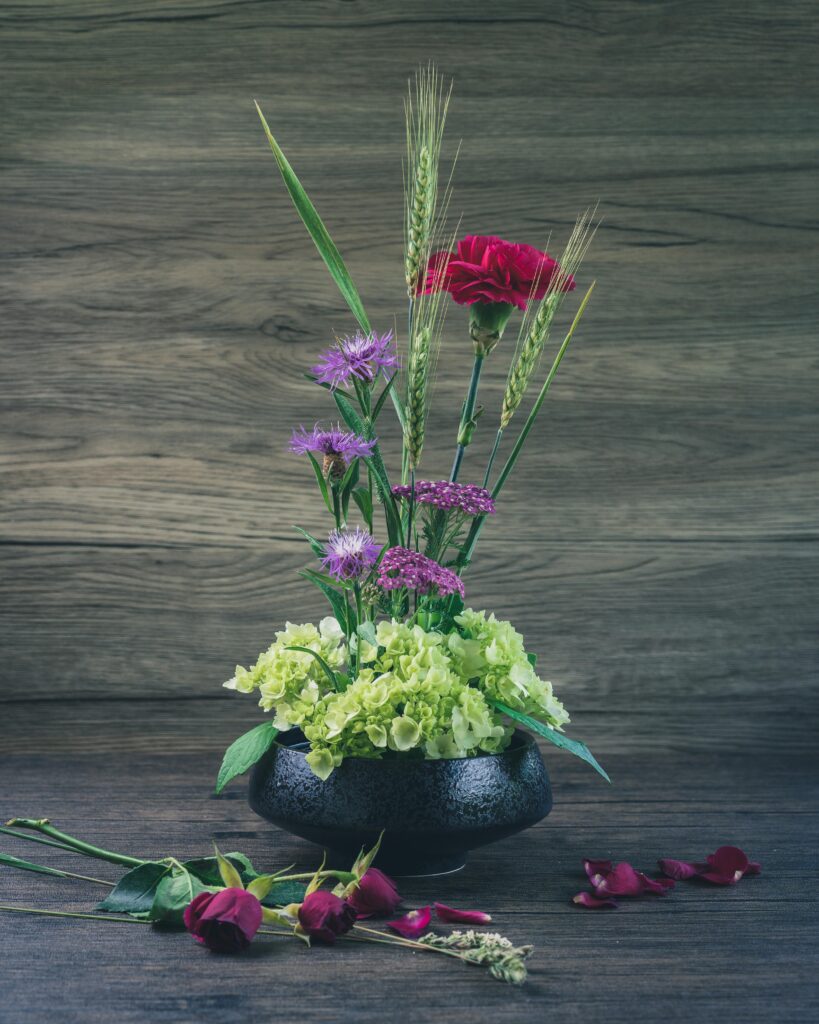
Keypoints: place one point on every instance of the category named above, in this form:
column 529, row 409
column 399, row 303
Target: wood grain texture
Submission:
column 159, row 301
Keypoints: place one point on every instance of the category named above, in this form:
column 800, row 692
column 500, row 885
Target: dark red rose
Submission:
column 375, row 894
column 324, row 916
column 224, row 921
column 487, row 269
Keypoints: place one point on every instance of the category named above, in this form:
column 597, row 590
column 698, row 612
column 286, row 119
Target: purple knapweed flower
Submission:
column 362, row 356
column 339, row 447
column 467, row 498
column 401, row 567
column 350, row 554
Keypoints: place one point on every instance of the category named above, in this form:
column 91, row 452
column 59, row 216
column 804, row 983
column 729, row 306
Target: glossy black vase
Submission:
column 433, row 812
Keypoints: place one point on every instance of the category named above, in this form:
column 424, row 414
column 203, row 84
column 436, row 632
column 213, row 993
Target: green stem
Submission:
column 410, row 509
column 491, row 462
column 42, row 825
column 37, row 839
column 341, row 876
column 466, row 416
column 336, row 506
column 68, row 913
column 478, row 522
column 41, row 869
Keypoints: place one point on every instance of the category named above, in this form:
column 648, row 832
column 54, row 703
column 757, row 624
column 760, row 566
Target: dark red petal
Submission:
column 413, row 924
column 679, row 869
column 596, row 867
column 728, row 860
column 719, row 879
column 622, row 880
column 586, row 899
column 660, row 886
column 754, row 868
column 452, row 916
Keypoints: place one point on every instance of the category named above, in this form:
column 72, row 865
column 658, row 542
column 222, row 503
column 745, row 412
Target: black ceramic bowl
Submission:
column 432, row 812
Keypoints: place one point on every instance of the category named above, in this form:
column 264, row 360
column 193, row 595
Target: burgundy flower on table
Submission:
column 360, row 357
column 339, row 447
column 452, row 916
column 726, row 866
column 413, row 924
column 401, row 567
column 487, row 269
column 375, row 894
column 224, row 921
column 324, row 916
column 444, row 494
column 350, row 554
column 622, row 879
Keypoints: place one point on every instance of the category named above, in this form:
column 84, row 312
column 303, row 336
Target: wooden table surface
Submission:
column 658, row 548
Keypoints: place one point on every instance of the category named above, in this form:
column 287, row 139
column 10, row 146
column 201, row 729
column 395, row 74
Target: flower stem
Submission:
column 68, row 913
column 464, row 431
column 36, row 839
column 395, row 940
column 491, row 462
column 410, row 510
column 41, row 869
column 341, row 876
column 42, row 825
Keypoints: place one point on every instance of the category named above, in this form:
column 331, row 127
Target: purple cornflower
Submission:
column 362, row 356
column 339, row 447
column 349, row 554
column 401, row 567
column 467, row 498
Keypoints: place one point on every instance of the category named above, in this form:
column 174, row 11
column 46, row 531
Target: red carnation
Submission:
column 487, row 269
column 225, row 921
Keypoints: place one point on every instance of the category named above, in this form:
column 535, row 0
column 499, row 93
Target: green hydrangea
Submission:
column 407, row 699
column 491, row 651
column 290, row 683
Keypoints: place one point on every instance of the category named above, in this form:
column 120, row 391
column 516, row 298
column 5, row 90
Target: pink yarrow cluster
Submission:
column 401, row 567
column 444, row 494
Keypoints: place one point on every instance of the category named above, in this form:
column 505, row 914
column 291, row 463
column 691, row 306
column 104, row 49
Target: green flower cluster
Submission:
column 490, row 651
column 289, row 682
column 407, row 699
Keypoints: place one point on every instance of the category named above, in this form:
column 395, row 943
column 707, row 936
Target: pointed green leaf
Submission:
column 318, row 232
column 331, row 676
column 26, row 865
column 173, row 894
column 227, row 872
column 338, row 602
column 366, row 630
column 325, row 493
column 244, row 752
column 134, row 893
column 206, row 869
column 552, row 735
column 361, row 496
column 316, row 545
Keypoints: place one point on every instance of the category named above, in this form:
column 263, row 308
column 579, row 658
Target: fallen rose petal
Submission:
column 596, row 867
column 412, row 924
column 727, row 860
column 660, row 886
column 585, row 899
column 452, row 916
column 681, row 870
column 622, row 880
column 754, row 868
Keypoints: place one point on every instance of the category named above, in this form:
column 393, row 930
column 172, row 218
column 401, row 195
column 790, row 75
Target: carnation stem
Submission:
column 42, row 825
column 465, row 430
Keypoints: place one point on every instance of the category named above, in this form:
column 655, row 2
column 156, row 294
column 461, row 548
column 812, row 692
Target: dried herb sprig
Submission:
column 505, row 961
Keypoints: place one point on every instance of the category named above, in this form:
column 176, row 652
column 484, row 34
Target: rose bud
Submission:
column 323, row 916
column 374, row 893
column 224, row 921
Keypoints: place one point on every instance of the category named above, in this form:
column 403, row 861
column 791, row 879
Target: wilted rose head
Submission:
column 323, row 916
column 487, row 269
column 224, row 921
column 375, row 893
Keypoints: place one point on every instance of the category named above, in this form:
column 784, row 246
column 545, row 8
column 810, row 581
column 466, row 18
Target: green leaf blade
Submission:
column 134, row 893
column 553, row 736
column 244, row 752
column 317, row 231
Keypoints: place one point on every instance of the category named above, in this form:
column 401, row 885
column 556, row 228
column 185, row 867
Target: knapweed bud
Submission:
column 324, row 916
column 375, row 893
column 224, row 921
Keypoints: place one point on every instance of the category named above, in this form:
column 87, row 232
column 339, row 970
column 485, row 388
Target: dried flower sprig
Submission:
column 505, row 961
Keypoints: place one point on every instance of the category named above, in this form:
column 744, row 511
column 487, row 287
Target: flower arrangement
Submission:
column 403, row 667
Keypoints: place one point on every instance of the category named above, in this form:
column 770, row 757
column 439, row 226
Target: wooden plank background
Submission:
column 160, row 301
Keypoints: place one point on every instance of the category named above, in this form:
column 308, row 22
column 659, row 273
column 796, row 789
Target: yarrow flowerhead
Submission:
column 467, row 498
column 339, row 447
column 401, row 567
column 349, row 554
column 362, row 356
column 487, row 269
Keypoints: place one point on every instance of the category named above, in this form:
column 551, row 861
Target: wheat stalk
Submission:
column 425, row 110
column 535, row 328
